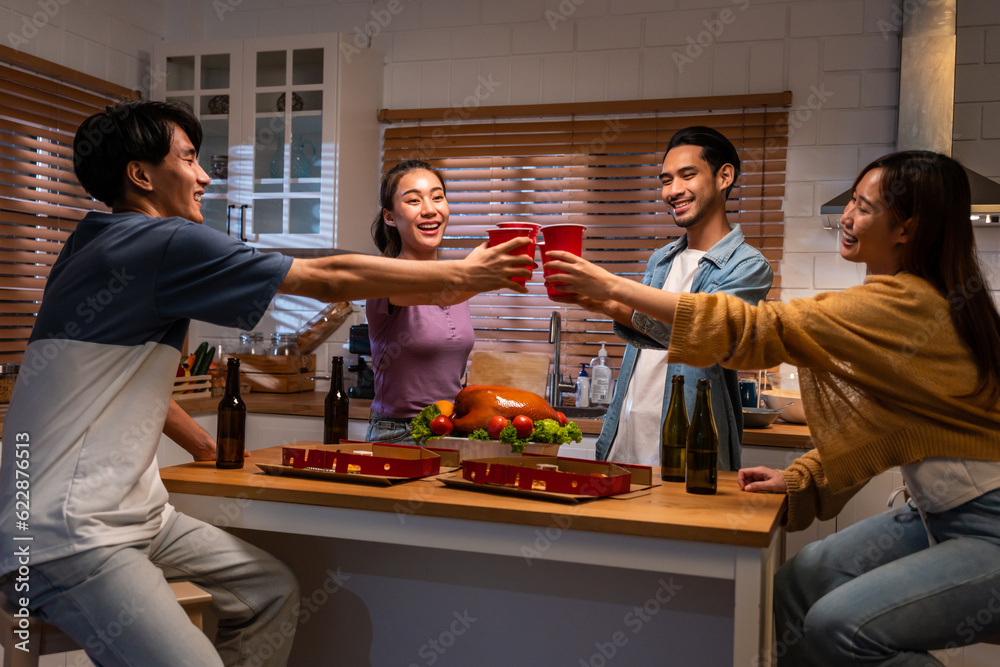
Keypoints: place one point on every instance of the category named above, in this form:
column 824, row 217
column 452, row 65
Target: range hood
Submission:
column 927, row 102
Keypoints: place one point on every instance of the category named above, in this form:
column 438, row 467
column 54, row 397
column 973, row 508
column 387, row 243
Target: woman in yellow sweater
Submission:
column 902, row 370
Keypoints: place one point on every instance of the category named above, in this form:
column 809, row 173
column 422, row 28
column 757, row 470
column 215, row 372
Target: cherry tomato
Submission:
column 562, row 418
column 524, row 426
column 440, row 425
column 495, row 425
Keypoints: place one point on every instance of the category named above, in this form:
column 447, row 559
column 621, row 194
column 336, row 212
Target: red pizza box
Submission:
column 550, row 475
column 356, row 460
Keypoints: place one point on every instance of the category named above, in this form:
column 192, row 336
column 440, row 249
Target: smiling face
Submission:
column 174, row 186
column 870, row 233
column 420, row 213
column 690, row 190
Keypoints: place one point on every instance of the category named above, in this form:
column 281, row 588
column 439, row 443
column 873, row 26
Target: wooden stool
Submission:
column 47, row 638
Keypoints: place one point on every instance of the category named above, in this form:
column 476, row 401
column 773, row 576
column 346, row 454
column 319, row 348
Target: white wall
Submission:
column 110, row 39
column 838, row 57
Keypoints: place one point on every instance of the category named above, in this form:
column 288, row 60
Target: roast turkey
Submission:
column 477, row 404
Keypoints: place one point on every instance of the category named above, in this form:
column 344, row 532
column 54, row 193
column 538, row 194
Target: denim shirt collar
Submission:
column 718, row 254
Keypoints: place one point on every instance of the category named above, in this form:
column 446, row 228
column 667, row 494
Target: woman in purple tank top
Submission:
column 419, row 352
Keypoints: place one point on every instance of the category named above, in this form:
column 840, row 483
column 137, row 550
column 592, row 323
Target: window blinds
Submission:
column 41, row 106
column 593, row 164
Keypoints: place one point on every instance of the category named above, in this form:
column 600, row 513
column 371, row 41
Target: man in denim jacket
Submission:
column 699, row 169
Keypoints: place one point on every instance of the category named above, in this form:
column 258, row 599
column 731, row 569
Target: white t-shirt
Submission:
column 638, row 437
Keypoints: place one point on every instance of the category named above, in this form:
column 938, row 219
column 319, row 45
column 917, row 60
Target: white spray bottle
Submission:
column 600, row 379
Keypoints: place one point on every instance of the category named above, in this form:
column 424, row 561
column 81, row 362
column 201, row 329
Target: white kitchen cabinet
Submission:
column 291, row 135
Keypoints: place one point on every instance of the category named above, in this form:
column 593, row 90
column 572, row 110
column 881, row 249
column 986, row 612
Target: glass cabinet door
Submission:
column 291, row 89
column 277, row 127
column 206, row 80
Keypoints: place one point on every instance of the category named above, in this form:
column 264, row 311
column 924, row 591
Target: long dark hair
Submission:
column 931, row 191
column 387, row 237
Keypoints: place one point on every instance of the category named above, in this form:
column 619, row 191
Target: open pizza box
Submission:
column 551, row 478
column 373, row 463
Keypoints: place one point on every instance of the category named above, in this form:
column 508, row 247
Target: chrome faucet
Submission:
column 556, row 384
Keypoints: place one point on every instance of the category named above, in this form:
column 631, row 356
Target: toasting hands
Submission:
column 581, row 277
column 492, row 268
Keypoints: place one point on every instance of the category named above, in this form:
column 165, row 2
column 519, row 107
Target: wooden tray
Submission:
column 277, row 373
column 191, row 387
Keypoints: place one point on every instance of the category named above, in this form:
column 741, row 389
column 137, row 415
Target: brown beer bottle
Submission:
column 231, row 434
column 673, row 439
column 702, row 445
column 336, row 406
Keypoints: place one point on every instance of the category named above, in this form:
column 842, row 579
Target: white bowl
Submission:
column 779, row 399
column 758, row 417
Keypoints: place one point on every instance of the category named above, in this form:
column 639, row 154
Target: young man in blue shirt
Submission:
column 699, row 169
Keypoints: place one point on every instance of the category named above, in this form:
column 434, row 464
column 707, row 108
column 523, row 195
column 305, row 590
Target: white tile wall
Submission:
column 836, row 56
column 512, row 11
column 542, row 37
column 110, row 44
column 991, row 120
column 608, row 32
column 481, row 42
column 821, row 19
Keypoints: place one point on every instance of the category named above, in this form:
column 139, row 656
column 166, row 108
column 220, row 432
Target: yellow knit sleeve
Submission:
column 809, row 493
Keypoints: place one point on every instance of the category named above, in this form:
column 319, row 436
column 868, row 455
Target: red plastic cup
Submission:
column 504, row 234
column 568, row 238
column 533, row 226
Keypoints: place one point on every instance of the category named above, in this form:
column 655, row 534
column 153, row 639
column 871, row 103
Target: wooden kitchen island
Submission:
column 420, row 574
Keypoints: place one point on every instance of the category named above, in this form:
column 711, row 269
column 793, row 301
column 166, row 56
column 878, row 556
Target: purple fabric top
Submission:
column 418, row 353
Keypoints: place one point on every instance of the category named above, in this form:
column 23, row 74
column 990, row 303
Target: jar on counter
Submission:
column 284, row 344
column 8, row 374
column 251, row 343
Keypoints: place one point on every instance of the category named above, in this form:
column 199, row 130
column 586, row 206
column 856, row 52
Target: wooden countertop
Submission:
column 731, row 516
column 310, row 403
column 779, row 434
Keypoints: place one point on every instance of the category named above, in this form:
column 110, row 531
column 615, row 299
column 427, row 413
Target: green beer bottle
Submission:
column 673, row 439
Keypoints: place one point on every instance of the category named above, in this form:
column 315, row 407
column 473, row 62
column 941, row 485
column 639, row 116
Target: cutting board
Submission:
column 520, row 370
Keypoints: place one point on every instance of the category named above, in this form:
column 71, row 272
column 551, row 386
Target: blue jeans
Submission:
column 115, row 603
column 388, row 429
column 877, row 593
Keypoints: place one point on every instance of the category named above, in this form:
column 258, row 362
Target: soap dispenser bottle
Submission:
column 600, row 383
column 583, row 388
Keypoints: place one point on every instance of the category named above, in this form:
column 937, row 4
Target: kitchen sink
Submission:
column 584, row 413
